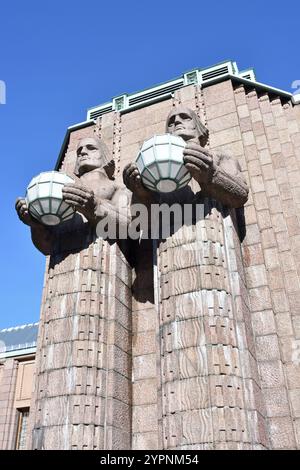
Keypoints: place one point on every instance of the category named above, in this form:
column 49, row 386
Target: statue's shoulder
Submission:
column 227, row 163
column 120, row 191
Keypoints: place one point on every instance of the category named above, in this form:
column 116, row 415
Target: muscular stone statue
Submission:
column 194, row 281
column 86, row 299
column 94, row 194
column 218, row 175
column 188, row 278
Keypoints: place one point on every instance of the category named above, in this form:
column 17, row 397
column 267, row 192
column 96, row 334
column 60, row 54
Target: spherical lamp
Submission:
column 160, row 163
column 44, row 198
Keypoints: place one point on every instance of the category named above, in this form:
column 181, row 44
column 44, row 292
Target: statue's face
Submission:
column 180, row 122
column 89, row 155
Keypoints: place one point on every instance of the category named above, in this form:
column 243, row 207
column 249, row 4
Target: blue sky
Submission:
column 58, row 58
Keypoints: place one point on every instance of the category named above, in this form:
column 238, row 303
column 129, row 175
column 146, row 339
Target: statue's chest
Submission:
column 103, row 187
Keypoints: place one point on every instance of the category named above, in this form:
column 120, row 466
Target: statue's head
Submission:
column 185, row 123
column 92, row 154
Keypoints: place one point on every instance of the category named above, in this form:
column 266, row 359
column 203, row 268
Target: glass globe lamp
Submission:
column 44, row 198
column 160, row 163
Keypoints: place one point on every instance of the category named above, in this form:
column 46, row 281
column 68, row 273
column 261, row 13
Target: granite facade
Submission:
column 196, row 343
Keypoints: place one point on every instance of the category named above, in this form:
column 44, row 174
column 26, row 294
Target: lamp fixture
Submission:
column 44, row 198
column 160, row 163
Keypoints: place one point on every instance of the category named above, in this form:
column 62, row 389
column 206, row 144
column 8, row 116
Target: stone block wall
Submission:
column 82, row 396
column 262, row 131
column 8, row 411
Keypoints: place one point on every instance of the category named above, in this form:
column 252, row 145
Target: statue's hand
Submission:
column 81, row 199
column 199, row 162
column 23, row 213
column 133, row 181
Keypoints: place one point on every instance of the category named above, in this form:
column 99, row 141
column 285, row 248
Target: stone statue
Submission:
column 197, row 291
column 94, row 194
column 218, row 175
column 83, row 387
column 85, row 328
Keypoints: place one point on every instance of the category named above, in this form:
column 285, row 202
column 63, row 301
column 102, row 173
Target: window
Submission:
column 22, row 429
column 191, row 77
column 119, row 103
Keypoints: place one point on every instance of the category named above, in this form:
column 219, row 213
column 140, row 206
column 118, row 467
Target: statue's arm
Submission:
column 133, row 181
column 141, row 197
column 41, row 235
column 94, row 207
column 227, row 184
column 42, row 238
column 114, row 210
column 219, row 176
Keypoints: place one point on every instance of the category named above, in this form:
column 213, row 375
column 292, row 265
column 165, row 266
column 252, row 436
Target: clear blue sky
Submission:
column 58, row 58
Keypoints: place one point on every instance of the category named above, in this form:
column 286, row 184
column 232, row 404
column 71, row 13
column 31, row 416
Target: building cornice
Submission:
column 203, row 77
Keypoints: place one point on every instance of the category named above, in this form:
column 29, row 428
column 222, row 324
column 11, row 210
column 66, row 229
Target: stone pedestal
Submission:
column 209, row 393
column 82, row 397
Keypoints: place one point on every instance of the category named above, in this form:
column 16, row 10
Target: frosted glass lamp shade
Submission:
column 44, row 198
column 160, row 163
